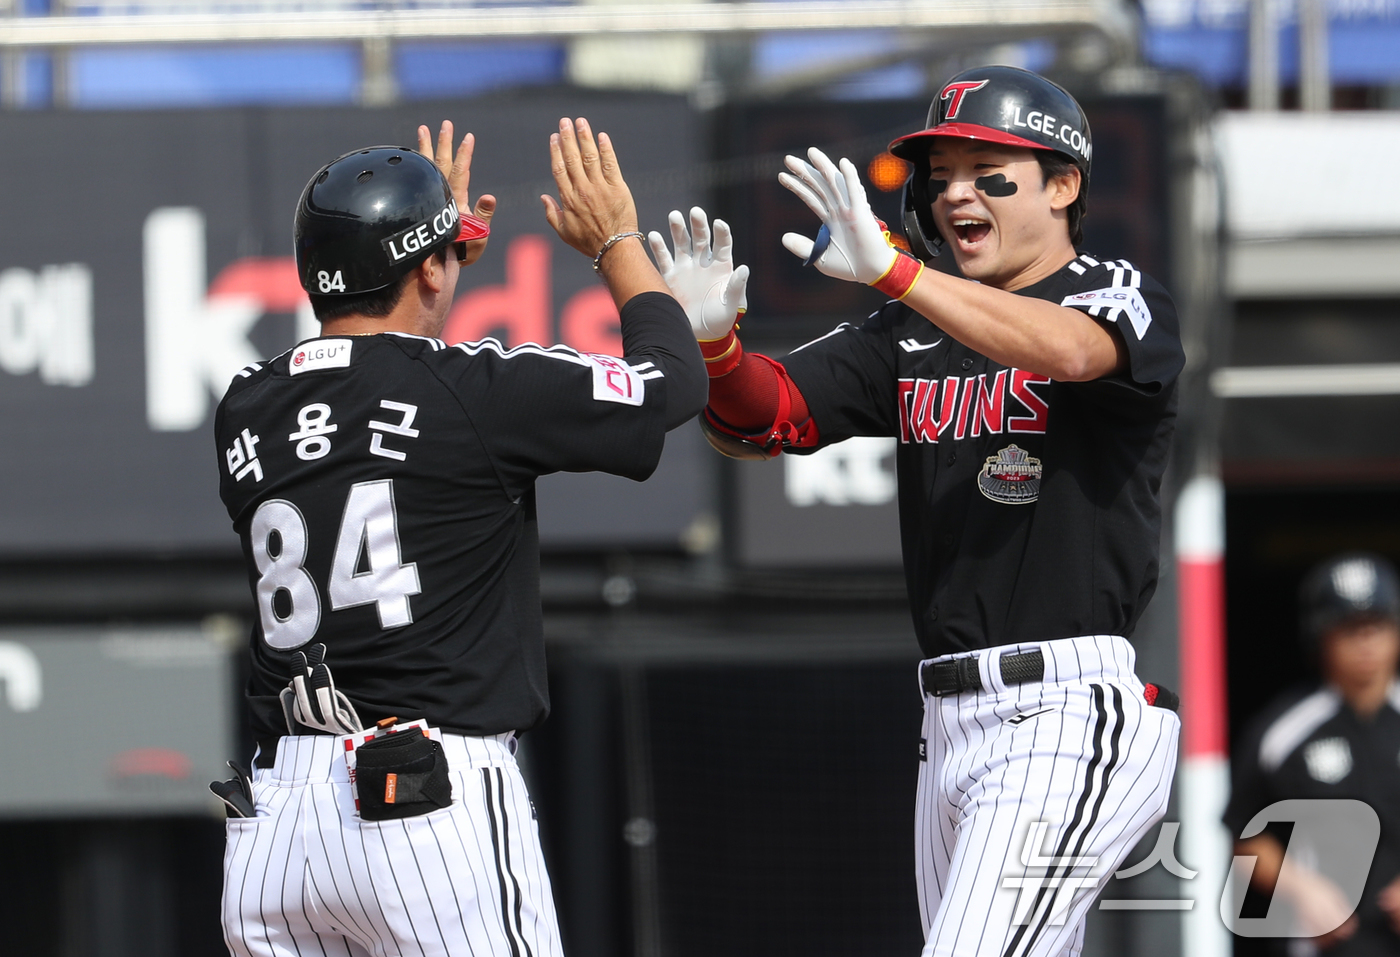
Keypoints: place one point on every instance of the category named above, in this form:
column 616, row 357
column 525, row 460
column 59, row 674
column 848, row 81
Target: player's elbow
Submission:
column 687, row 388
column 1075, row 367
column 1091, row 357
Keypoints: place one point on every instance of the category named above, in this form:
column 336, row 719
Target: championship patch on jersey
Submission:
column 321, row 354
column 1113, row 300
column 614, row 380
column 1011, row 477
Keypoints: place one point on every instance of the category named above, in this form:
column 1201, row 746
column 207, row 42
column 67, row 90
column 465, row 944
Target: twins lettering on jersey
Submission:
column 969, row 405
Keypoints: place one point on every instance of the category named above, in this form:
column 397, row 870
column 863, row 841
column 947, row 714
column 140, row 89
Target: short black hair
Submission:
column 372, row 305
column 1054, row 164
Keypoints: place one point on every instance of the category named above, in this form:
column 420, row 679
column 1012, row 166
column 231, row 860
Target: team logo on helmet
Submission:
column 1011, row 477
column 954, row 93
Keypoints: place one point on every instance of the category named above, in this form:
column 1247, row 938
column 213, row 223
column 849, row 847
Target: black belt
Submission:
column 961, row 674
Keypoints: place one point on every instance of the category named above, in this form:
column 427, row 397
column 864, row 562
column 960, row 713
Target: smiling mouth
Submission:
column 970, row 232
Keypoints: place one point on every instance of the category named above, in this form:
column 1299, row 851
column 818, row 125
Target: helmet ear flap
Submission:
column 925, row 242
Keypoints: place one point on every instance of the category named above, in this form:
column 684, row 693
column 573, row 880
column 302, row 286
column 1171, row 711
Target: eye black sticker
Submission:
column 995, row 185
column 936, row 186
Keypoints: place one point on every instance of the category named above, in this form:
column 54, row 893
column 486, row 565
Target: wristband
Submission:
column 614, row 238
column 721, row 355
column 898, row 281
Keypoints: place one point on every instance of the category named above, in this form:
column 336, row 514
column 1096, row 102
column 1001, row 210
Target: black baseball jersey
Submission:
column 1029, row 508
column 383, row 490
column 1311, row 745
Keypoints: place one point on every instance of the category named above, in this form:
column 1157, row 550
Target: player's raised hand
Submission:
column 595, row 213
column 594, row 203
column 458, row 171
column 701, row 275
column 857, row 247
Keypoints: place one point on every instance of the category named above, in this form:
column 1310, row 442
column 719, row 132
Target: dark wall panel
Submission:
column 146, row 258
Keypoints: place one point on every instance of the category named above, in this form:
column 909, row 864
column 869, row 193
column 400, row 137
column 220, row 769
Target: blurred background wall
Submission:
column 731, row 759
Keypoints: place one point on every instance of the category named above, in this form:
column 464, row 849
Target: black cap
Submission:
column 998, row 104
column 370, row 217
column 1351, row 586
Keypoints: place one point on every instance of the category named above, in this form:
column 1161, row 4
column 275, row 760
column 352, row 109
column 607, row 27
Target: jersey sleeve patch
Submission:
column 320, row 354
column 1112, row 302
column 615, row 381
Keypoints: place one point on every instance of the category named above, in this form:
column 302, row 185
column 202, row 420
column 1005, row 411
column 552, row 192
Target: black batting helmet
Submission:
column 999, row 104
column 368, row 218
column 1350, row 586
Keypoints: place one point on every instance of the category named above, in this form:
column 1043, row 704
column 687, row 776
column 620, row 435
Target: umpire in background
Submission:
column 1339, row 741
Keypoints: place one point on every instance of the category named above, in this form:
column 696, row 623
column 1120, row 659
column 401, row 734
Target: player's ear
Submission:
column 432, row 272
column 1064, row 188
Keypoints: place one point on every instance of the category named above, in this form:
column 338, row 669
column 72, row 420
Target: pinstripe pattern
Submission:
column 1095, row 764
column 308, row 877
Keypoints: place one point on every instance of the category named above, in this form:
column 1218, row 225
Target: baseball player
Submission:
column 382, row 484
column 1340, row 740
column 1034, row 403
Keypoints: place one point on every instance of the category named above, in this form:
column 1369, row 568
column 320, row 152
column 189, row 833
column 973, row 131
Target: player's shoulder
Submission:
column 247, row 383
column 1288, row 722
column 412, row 345
column 1087, row 271
column 490, row 363
column 1112, row 289
column 1087, row 275
column 248, row 377
column 523, row 355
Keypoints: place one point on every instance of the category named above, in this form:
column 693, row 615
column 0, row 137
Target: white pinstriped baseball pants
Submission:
column 1081, row 752
column 308, row 877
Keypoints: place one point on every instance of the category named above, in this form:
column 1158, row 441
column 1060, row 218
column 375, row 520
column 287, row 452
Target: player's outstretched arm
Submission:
column 753, row 405
column 595, row 213
column 1027, row 333
column 458, row 171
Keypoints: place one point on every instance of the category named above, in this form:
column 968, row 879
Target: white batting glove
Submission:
column 703, row 278
column 859, row 249
column 312, row 701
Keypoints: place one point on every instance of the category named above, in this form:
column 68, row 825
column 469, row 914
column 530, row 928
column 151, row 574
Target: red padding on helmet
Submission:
column 971, row 131
column 472, row 228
